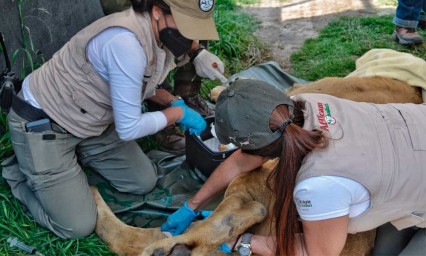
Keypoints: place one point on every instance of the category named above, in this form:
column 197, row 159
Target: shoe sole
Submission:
column 402, row 41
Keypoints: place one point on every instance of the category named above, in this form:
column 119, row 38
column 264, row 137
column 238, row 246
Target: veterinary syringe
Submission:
column 13, row 241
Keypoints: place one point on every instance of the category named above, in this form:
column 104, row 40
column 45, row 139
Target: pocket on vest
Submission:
column 89, row 105
column 415, row 118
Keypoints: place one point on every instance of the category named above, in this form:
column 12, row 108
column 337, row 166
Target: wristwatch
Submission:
column 244, row 249
column 175, row 98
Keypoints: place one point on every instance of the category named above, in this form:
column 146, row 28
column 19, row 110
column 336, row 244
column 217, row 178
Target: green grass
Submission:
column 237, row 47
column 331, row 54
column 334, row 51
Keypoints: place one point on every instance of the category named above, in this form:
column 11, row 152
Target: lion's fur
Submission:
column 247, row 198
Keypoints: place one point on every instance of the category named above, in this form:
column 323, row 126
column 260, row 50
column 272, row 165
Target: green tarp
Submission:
column 177, row 181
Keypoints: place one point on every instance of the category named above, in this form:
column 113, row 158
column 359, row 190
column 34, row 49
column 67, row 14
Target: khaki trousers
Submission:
column 46, row 174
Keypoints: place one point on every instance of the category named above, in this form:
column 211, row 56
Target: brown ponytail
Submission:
column 294, row 144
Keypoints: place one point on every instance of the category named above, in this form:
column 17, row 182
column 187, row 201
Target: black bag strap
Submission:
column 6, row 56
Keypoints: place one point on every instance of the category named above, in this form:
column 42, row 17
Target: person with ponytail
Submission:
column 84, row 107
column 344, row 167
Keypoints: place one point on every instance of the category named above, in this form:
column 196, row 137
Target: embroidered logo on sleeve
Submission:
column 303, row 203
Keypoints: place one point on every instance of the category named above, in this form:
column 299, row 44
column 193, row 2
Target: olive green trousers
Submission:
column 45, row 174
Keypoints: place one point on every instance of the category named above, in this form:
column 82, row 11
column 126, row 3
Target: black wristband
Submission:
column 236, row 241
column 195, row 53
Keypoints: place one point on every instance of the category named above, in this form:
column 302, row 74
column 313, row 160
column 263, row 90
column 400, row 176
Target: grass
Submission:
column 237, row 47
column 334, row 51
column 331, row 54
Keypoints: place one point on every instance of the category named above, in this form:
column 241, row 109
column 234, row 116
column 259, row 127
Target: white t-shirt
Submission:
column 119, row 59
column 326, row 197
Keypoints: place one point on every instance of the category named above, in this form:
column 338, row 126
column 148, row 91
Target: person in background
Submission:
column 84, row 108
column 410, row 15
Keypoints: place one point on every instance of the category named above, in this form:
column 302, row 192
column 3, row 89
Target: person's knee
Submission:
column 79, row 229
column 140, row 186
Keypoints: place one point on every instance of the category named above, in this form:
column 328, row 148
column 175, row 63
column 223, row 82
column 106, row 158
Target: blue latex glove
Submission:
column 206, row 214
column 180, row 220
column 225, row 248
column 191, row 120
column 179, row 103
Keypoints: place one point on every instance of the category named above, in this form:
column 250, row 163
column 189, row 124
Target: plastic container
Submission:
column 205, row 152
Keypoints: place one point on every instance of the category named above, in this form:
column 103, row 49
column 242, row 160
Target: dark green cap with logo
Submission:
column 243, row 111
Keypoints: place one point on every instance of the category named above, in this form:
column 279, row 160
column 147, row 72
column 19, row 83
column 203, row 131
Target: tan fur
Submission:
column 366, row 89
column 247, row 199
column 121, row 238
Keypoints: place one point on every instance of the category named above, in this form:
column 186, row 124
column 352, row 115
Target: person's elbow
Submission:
column 125, row 134
column 125, row 137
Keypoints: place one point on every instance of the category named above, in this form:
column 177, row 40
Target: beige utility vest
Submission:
column 71, row 92
column 383, row 147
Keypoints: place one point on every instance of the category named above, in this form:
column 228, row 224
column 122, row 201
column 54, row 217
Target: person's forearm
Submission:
column 263, row 245
column 260, row 245
column 162, row 97
column 173, row 114
column 236, row 164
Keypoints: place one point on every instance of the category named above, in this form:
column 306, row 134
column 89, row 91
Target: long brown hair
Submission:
column 292, row 147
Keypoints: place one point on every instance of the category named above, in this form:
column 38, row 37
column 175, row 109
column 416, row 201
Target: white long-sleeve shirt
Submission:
column 120, row 60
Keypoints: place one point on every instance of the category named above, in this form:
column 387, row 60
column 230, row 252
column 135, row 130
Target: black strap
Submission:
column 194, row 54
column 26, row 110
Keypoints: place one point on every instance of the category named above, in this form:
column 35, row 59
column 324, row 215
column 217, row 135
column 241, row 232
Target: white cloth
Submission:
column 112, row 54
column 326, row 197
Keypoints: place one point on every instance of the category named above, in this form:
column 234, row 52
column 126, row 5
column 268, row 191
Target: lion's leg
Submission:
column 359, row 244
column 233, row 216
column 121, row 238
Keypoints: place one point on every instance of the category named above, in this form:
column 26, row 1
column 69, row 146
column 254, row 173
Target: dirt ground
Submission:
column 285, row 25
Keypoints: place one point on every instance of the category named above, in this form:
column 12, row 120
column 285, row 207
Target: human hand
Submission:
column 208, row 65
column 192, row 121
column 206, row 214
column 180, row 220
column 225, row 248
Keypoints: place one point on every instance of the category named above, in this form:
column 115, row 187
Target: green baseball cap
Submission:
column 243, row 111
column 194, row 18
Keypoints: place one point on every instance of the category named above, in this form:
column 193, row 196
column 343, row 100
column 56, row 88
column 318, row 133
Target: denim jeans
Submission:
column 409, row 12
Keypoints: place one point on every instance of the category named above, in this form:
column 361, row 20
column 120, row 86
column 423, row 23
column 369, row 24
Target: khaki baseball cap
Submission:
column 243, row 111
column 194, row 18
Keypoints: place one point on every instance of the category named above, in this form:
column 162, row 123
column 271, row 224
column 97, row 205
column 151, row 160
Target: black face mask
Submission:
column 175, row 41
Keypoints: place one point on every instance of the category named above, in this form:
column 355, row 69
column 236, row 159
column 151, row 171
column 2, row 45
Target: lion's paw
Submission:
column 168, row 246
